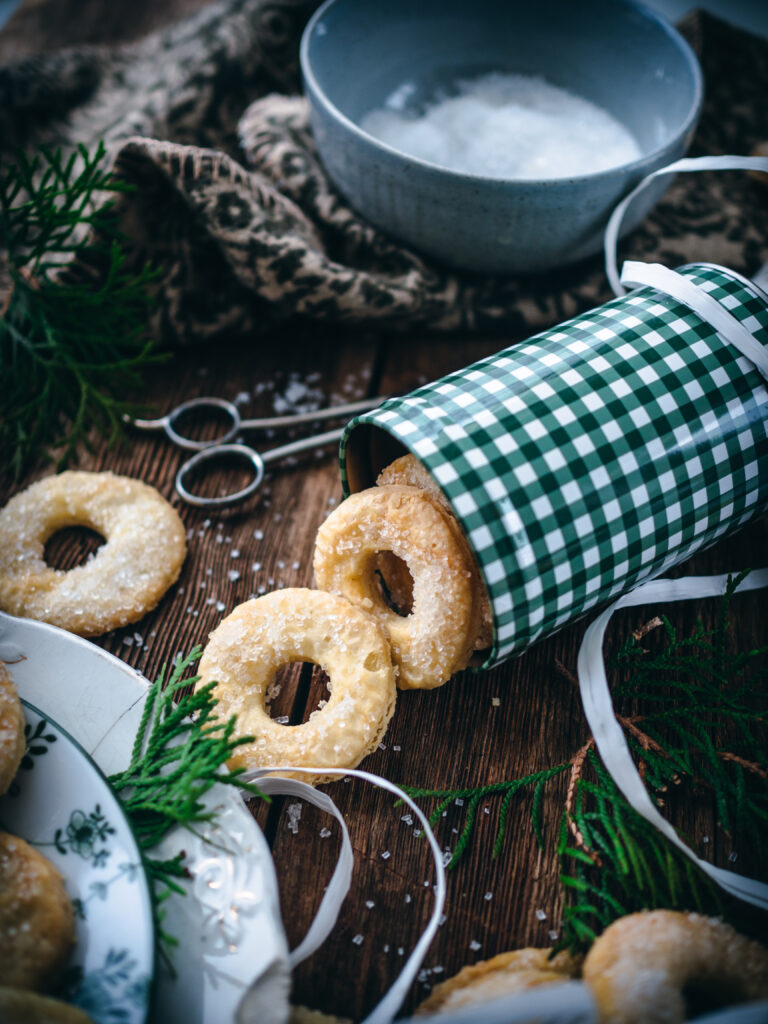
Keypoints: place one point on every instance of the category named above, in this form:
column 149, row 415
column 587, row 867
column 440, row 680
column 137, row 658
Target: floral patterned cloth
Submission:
column 233, row 205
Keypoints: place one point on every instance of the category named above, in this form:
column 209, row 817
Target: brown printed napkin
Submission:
column 232, row 204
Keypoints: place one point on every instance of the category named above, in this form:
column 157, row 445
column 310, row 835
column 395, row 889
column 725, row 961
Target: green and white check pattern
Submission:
column 595, row 455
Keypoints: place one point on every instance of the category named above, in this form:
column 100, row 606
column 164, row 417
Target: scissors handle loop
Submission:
column 168, row 423
column 214, row 454
column 255, row 460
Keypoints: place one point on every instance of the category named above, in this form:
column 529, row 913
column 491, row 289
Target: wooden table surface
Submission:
column 480, row 727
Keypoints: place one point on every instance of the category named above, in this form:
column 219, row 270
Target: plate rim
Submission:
column 122, row 813
column 111, row 730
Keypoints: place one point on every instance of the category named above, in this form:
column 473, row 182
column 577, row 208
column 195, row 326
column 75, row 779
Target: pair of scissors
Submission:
column 224, row 446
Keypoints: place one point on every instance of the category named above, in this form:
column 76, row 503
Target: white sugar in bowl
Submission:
column 496, row 136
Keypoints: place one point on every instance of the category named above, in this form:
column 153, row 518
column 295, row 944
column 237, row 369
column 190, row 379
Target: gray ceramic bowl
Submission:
column 355, row 53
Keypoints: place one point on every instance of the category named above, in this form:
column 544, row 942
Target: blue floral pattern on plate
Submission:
column 61, row 804
column 232, row 959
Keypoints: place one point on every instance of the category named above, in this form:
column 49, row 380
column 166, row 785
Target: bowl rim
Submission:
column 644, row 163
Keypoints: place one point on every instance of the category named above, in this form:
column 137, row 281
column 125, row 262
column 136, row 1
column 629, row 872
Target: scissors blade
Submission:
column 148, row 425
column 284, row 451
column 331, row 412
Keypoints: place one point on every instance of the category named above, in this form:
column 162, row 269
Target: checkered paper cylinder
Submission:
column 591, row 457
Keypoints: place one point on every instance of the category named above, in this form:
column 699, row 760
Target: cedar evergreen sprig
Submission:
column 700, row 718
column 71, row 344
column 619, row 863
column 179, row 753
column 685, row 726
column 474, row 796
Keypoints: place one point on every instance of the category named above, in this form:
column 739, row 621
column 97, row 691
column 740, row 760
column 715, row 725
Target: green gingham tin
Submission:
column 591, row 457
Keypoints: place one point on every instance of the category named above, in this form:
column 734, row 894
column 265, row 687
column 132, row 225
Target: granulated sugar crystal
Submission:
column 505, row 126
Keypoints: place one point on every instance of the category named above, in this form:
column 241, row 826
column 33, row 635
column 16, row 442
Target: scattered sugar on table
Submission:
column 294, row 816
column 506, row 126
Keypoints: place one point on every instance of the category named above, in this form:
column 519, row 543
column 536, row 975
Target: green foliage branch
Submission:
column 699, row 714
column 71, row 343
column 180, row 752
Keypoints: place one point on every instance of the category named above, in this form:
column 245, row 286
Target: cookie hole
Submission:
column 393, row 583
column 72, row 546
column 282, row 694
column 319, row 694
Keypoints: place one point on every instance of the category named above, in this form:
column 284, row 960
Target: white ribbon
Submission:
column 701, row 163
column 338, row 887
column 609, row 736
column 730, row 330
column 329, row 908
column 670, row 282
column 593, row 683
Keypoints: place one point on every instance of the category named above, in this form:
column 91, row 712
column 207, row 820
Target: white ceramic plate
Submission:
column 232, row 960
column 61, row 804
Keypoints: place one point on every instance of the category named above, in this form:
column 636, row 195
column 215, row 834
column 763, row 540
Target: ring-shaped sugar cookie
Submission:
column 681, row 953
column 506, row 974
column 435, row 640
column 144, row 550
column 37, row 922
column 296, row 624
column 408, row 471
column 12, row 739
column 19, row 1006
